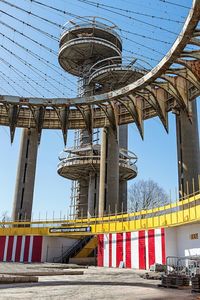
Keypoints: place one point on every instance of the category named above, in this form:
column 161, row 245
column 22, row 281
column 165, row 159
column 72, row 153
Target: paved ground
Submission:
column 96, row 283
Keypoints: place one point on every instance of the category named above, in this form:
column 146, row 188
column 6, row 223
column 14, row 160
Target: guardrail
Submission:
column 91, row 21
column 73, row 160
column 173, row 214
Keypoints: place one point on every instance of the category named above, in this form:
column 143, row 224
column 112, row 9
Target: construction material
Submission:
column 8, row 279
column 44, row 273
column 196, row 283
column 83, row 261
column 175, row 281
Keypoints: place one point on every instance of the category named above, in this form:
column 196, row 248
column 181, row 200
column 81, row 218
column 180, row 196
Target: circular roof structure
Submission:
column 155, row 94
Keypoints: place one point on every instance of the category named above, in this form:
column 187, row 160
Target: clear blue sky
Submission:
column 157, row 158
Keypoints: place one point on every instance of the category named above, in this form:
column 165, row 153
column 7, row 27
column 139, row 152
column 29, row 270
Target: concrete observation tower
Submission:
column 91, row 49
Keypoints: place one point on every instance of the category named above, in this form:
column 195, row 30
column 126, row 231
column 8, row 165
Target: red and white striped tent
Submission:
column 137, row 249
column 20, row 248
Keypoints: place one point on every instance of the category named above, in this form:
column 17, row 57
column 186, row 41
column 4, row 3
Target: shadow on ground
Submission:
column 74, row 283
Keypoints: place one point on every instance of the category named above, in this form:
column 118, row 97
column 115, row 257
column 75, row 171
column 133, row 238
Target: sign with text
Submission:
column 70, row 229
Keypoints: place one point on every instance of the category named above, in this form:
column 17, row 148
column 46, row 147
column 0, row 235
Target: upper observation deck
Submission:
column 85, row 41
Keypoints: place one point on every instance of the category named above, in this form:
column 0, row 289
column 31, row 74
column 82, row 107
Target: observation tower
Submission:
column 91, row 49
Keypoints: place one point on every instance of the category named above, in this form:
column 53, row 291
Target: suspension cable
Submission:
column 84, row 18
column 175, row 4
column 52, row 51
column 31, row 26
column 29, row 38
column 33, row 68
column 137, row 13
column 8, row 80
column 41, row 59
column 25, row 77
column 32, row 14
column 102, row 6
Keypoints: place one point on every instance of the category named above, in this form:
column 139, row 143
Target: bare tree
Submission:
column 4, row 217
column 146, row 194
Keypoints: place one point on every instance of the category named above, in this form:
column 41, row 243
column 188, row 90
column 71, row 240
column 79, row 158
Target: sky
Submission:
column 148, row 33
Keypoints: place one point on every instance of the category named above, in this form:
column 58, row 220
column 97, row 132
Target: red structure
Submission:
column 138, row 249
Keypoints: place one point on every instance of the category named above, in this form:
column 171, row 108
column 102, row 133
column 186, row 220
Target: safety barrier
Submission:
column 173, row 214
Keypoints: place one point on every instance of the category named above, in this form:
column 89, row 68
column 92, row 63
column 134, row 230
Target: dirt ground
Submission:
column 96, row 283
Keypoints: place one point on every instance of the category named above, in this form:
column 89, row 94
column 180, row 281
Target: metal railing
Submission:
column 127, row 63
column 173, row 214
column 91, row 21
column 69, row 156
column 72, row 251
column 95, row 159
column 187, row 265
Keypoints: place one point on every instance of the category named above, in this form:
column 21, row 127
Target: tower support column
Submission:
column 91, row 195
column 188, row 151
column 83, row 198
column 123, row 143
column 102, row 177
column 112, row 178
column 24, row 188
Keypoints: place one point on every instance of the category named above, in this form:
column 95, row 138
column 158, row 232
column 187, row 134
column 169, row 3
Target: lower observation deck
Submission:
column 80, row 162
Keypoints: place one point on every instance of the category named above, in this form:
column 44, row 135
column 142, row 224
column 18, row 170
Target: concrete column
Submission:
column 85, row 138
column 91, row 195
column 83, row 206
column 24, row 189
column 122, row 196
column 112, row 178
column 123, row 136
column 83, row 198
column 102, row 177
column 123, row 143
column 96, row 200
column 188, row 151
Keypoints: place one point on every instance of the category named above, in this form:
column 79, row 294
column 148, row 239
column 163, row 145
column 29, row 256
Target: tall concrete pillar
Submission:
column 85, row 138
column 85, row 190
column 84, row 185
column 96, row 197
column 83, row 198
column 123, row 136
column 122, row 196
column 112, row 176
column 91, row 195
column 24, row 189
column 188, row 151
column 123, row 143
column 102, row 177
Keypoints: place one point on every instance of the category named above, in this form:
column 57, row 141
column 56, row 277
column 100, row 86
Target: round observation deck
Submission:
column 112, row 73
column 85, row 41
column 79, row 163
